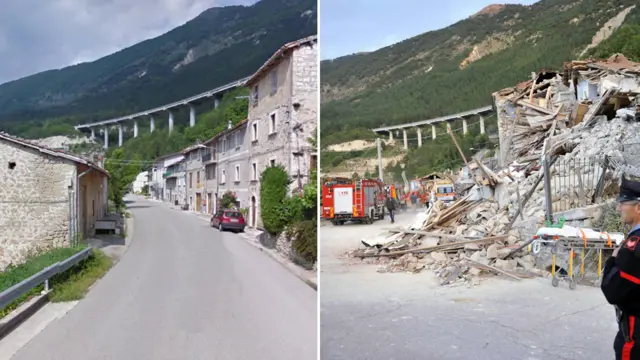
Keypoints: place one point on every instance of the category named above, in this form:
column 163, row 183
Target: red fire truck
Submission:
column 360, row 200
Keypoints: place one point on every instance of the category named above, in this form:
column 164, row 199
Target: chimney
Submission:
column 230, row 125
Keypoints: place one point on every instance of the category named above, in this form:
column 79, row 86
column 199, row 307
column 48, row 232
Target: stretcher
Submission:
column 582, row 243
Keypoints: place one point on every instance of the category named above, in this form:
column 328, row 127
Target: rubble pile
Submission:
column 457, row 242
column 585, row 112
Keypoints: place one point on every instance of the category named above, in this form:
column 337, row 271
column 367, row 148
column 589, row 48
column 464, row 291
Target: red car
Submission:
column 228, row 220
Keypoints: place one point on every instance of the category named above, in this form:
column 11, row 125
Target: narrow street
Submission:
column 400, row 316
column 184, row 290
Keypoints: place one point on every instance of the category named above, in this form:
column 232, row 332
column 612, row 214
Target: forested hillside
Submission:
column 457, row 68
column 219, row 46
column 149, row 146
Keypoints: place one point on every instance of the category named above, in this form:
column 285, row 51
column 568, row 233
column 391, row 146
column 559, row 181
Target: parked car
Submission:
column 228, row 220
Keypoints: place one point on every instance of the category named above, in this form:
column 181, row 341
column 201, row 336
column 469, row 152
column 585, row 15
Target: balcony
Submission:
column 209, row 158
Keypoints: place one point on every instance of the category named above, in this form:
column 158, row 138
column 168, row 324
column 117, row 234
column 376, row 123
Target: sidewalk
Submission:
column 252, row 236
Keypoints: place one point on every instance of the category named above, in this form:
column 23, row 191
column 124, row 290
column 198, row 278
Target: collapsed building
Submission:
column 561, row 135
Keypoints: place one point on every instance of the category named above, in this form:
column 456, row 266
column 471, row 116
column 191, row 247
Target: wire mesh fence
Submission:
column 576, row 182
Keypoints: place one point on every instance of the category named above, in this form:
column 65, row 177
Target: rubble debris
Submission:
column 571, row 115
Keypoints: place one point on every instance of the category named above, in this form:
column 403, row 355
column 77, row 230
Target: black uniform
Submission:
column 621, row 284
column 391, row 206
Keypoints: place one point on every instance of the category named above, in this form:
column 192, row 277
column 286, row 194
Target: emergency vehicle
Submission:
column 359, row 200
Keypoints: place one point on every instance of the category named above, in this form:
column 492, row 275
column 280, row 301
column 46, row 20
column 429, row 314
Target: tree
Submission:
column 123, row 173
column 274, row 183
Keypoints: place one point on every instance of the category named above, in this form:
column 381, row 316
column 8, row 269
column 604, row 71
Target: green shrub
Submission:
column 609, row 219
column 294, row 209
column 274, row 183
column 304, row 240
column 228, row 200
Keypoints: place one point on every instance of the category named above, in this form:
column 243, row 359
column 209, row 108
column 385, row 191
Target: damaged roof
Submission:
column 52, row 152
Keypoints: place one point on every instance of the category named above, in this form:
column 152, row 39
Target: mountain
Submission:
column 219, row 46
column 458, row 68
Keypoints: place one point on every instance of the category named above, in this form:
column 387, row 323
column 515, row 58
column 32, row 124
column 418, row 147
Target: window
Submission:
column 274, row 80
column 254, row 135
column 314, row 163
column 190, row 180
column 255, row 95
column 210, row 172
column 237, row 173
column 223, row 177
column 272, row 122
column 254, row 171
column 224, row 144
column 272, row 162
column 198, row 178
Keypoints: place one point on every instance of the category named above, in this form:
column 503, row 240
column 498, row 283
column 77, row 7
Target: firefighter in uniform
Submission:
column 621, row 276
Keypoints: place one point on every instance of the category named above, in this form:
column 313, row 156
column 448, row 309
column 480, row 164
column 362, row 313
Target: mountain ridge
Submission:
column 218, row 46
column 458, row 67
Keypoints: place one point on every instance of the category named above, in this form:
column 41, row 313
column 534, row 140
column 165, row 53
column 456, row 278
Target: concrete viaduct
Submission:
column 216, row 94
column 448, row 119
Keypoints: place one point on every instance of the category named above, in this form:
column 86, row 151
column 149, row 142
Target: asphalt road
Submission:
column 186, row 291
column 367, row 315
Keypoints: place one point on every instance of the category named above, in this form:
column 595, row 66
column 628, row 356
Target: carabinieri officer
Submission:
column 621, row 277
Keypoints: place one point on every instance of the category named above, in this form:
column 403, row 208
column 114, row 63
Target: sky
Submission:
column 352, row 26
column 39, row 35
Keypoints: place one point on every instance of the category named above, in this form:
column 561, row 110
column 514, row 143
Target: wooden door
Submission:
column 198, row 201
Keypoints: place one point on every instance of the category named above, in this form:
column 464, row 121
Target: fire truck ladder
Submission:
column 359, row 206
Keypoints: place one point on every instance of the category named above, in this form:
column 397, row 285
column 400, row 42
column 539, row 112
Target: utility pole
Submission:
column 379, row 159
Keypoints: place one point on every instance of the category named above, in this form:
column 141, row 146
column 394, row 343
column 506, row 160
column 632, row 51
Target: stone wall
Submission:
column 34, row 201
column 304, row 93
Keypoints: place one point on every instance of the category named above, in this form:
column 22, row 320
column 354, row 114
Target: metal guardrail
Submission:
column 17, row 290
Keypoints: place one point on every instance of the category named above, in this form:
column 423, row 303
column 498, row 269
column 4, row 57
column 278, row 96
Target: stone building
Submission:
column 234, row 167
column 158, row 179
column 283, row 112
column 48, row 198
column 174, row 181
column 195, row 178
column 209, row 161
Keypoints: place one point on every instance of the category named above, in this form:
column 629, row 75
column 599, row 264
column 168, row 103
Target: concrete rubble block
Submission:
column 525, row 263
column 460, row 229
column 475, row 271
column 502, row 253
column 513, row 239
column 492, row 251
column 428, row 260
column 472, row 247
column 508, row 265
column 371, row 251
column 439, row 257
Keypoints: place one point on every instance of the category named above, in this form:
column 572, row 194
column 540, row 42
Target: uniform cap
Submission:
column 629, row 190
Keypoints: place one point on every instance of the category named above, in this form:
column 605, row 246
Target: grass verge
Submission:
column 74, row 284
column 70, row 285
column 14, row 274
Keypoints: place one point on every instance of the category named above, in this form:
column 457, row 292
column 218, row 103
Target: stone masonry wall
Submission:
column 34, row 202
column 305, row 93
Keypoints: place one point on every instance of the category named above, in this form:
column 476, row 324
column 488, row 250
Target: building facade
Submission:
column 47, row 199
column 283, row 113
column 174, row 181
column 234, row 167
column 195, row 177
column 210, row 168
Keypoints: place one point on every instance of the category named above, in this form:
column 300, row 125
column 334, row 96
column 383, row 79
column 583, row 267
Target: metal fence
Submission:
column 11, row 294
column 574, row 182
